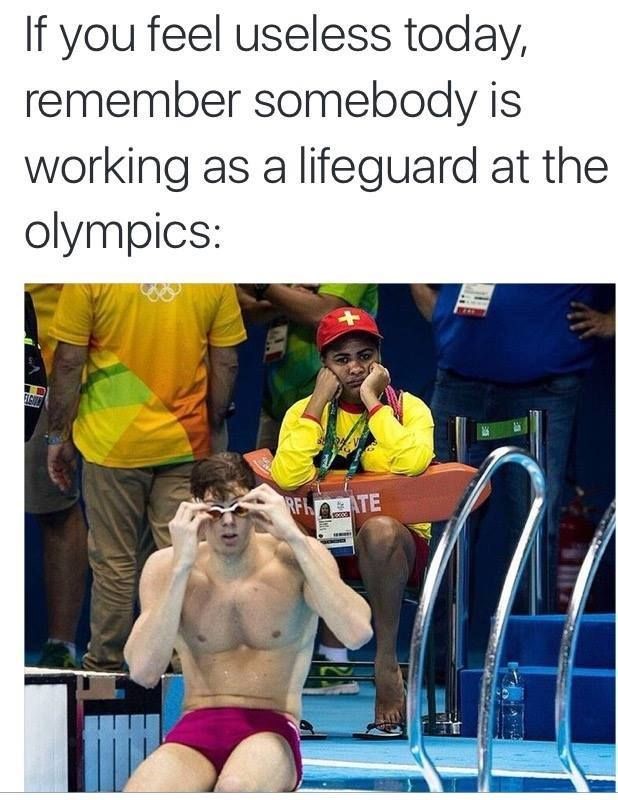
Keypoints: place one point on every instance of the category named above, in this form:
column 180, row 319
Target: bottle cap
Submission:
column 512, row 665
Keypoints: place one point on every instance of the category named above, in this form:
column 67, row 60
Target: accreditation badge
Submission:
column 276, row 341
column 474, row 299
column 334, row 522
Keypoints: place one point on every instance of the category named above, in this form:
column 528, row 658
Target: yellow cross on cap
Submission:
column 349, row 318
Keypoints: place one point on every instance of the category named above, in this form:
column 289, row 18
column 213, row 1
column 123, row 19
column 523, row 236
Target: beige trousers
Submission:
column 128, row 512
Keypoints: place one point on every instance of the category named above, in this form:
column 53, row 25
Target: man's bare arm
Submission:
column 222, row 372
column 345, row 612
column 64, row 386
column 299, row 304
column 162, row 590
column 425, row 298
column 255, row 311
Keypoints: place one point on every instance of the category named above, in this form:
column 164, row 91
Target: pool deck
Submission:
column 340, row 754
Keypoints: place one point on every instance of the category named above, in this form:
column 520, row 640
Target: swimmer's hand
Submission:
column 186, row 530
column 374, row 384
column 271, row 507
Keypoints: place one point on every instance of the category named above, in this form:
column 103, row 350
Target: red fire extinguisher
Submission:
column 575, row 533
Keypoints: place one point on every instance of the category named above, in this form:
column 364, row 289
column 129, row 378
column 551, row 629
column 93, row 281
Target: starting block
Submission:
column 88, row 731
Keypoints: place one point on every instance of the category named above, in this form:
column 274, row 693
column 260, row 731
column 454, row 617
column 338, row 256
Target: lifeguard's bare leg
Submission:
column 386, row 555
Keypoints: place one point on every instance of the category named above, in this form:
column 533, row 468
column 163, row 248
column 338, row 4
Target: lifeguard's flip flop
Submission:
column 385, row 731
column 307, row 731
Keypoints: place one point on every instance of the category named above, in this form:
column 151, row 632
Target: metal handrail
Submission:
column 461, row 436
column 435, row 574
column 489, row 678
column 581, row 590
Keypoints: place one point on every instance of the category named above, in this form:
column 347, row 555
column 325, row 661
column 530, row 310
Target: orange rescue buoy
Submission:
column 429, row 497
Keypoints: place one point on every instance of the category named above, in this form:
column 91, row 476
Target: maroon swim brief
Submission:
column 215, row 732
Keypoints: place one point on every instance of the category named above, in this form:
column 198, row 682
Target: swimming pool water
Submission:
column 451, row 784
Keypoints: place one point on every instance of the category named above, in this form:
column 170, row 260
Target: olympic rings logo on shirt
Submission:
column 165, row 292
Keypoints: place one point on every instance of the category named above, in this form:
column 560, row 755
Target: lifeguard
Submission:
column 355, row 421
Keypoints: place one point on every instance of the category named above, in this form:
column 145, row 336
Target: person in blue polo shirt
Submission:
column 503, row 349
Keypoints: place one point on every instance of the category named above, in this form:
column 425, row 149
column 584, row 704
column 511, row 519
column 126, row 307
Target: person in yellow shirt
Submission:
column 160, row 366
column 354, row 420
column 59, row 515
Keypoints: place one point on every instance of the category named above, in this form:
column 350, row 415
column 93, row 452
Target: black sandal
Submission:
column 307, row 731
column 385, row 731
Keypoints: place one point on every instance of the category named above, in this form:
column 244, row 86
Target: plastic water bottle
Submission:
column 512, row 695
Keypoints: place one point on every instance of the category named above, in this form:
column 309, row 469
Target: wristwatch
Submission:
column 56, row 438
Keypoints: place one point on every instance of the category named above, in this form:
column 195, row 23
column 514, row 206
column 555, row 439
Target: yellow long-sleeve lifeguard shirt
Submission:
column 404, row 448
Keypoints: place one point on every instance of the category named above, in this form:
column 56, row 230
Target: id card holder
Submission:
column 474, row 299
column 334, row 521
column 276, row 340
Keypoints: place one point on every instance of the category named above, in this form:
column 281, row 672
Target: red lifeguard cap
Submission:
column 343, row 321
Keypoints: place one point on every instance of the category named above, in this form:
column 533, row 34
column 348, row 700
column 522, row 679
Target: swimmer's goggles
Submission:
column 216, row 512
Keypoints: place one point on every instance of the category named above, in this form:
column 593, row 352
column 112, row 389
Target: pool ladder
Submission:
column 581, row 590
column 437, row 568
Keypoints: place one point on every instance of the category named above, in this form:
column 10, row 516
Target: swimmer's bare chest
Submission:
column 246, row 641
column 265, row 611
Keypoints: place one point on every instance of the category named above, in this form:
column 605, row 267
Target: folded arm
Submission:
column 302, row 434
column 409, row 445
column 300, row 441
column 298, row 303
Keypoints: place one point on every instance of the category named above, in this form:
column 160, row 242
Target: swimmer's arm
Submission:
column 345, row 612
column 162, row 589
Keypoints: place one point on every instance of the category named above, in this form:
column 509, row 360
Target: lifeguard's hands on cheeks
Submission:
column 273, row 510
column 327, row 385
column 374, row 384
column 185, row 531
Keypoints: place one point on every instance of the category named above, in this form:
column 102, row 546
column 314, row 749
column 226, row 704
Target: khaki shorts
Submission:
column 41, row 496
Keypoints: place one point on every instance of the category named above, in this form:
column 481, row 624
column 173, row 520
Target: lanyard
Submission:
column 330, row 449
